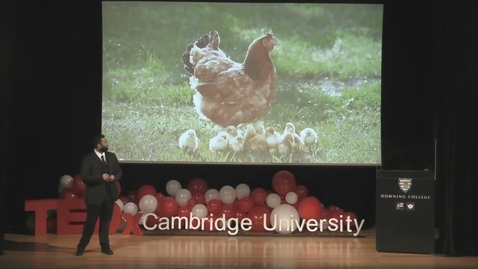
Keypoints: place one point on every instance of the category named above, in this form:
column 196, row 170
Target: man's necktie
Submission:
column 103, row 158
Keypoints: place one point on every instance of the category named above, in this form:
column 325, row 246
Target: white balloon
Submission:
column 183, row 196
column 148, row 204
column 172, row 187
column 242, row 190
column 227, row 194
column 120, row 203
column 199, row 211
column 211, row 194
column 273, row 200
column 291, row 198
column 285, row 218
column 131, row 208
column 66, row 181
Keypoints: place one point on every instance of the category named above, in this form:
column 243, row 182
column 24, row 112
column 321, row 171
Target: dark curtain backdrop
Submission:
column 54, row 69
column 7, row 61
column 454, row 82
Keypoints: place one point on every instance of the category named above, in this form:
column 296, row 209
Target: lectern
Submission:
column 405, row 206
column 405, row 199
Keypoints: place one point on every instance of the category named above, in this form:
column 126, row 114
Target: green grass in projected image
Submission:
column 328, row 66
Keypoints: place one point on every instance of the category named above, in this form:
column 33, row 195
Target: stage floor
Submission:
column 227, row 252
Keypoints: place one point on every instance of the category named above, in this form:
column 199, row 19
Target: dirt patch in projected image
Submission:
column 242, row 83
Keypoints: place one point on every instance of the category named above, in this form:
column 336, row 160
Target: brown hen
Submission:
column 230, row 93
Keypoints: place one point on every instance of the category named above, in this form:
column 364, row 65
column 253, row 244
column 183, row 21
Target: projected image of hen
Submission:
column 243, row 83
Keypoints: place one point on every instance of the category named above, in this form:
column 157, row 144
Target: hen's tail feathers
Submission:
column 200, row 43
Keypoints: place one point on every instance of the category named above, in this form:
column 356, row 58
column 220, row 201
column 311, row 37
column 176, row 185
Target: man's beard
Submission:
column 103, row 149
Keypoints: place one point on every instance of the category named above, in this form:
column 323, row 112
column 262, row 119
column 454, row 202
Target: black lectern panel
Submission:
column 405, row 211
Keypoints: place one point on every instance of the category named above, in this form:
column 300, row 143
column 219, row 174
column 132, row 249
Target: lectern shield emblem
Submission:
column 405, row 184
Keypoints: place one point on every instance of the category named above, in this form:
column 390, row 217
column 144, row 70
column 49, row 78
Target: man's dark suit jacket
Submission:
column 92, row 175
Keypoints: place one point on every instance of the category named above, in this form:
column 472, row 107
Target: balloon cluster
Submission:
column 73, row 187
column 69, row 187
column 287, row 199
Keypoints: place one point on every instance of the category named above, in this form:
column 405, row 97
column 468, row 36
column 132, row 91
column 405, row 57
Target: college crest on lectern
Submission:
column 405, row 184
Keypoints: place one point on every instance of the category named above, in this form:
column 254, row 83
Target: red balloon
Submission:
column 240, row 216
column 282, row 200
column 191, row 202
column 214, row 206
column 326, row 214
column 334, row 209
column 257, row 218
column 210, row 223
column 78, row 186
column 259, row 196
column 152, row 220
column 118, row 185
column 228, row 210
column 195, row 223
column 183, row 211
column 168, row 207
column 68, row 194
column 133, row 197
column 159, row 196
column 198, row 185
column 124, row 199
column 301, row 192
column 145, row 190
column 336, row 215
column 199, row 198
column 245, row 204
column 310, row 208
column 283, row 182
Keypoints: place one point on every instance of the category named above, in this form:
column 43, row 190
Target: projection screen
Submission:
column 242, row 83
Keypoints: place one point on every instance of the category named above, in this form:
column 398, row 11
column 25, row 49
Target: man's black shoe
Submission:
column 107, row 251
column 80, row 251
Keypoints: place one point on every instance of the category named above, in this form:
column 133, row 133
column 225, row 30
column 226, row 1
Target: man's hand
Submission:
column 106, row 177
column 111, row 178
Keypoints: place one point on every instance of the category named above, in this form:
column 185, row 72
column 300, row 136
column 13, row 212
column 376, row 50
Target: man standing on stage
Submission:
column 100, row 170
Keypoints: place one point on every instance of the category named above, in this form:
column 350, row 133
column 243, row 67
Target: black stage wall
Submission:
column 55, row 66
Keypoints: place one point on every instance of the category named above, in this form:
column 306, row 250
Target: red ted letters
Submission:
column 71, row 215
